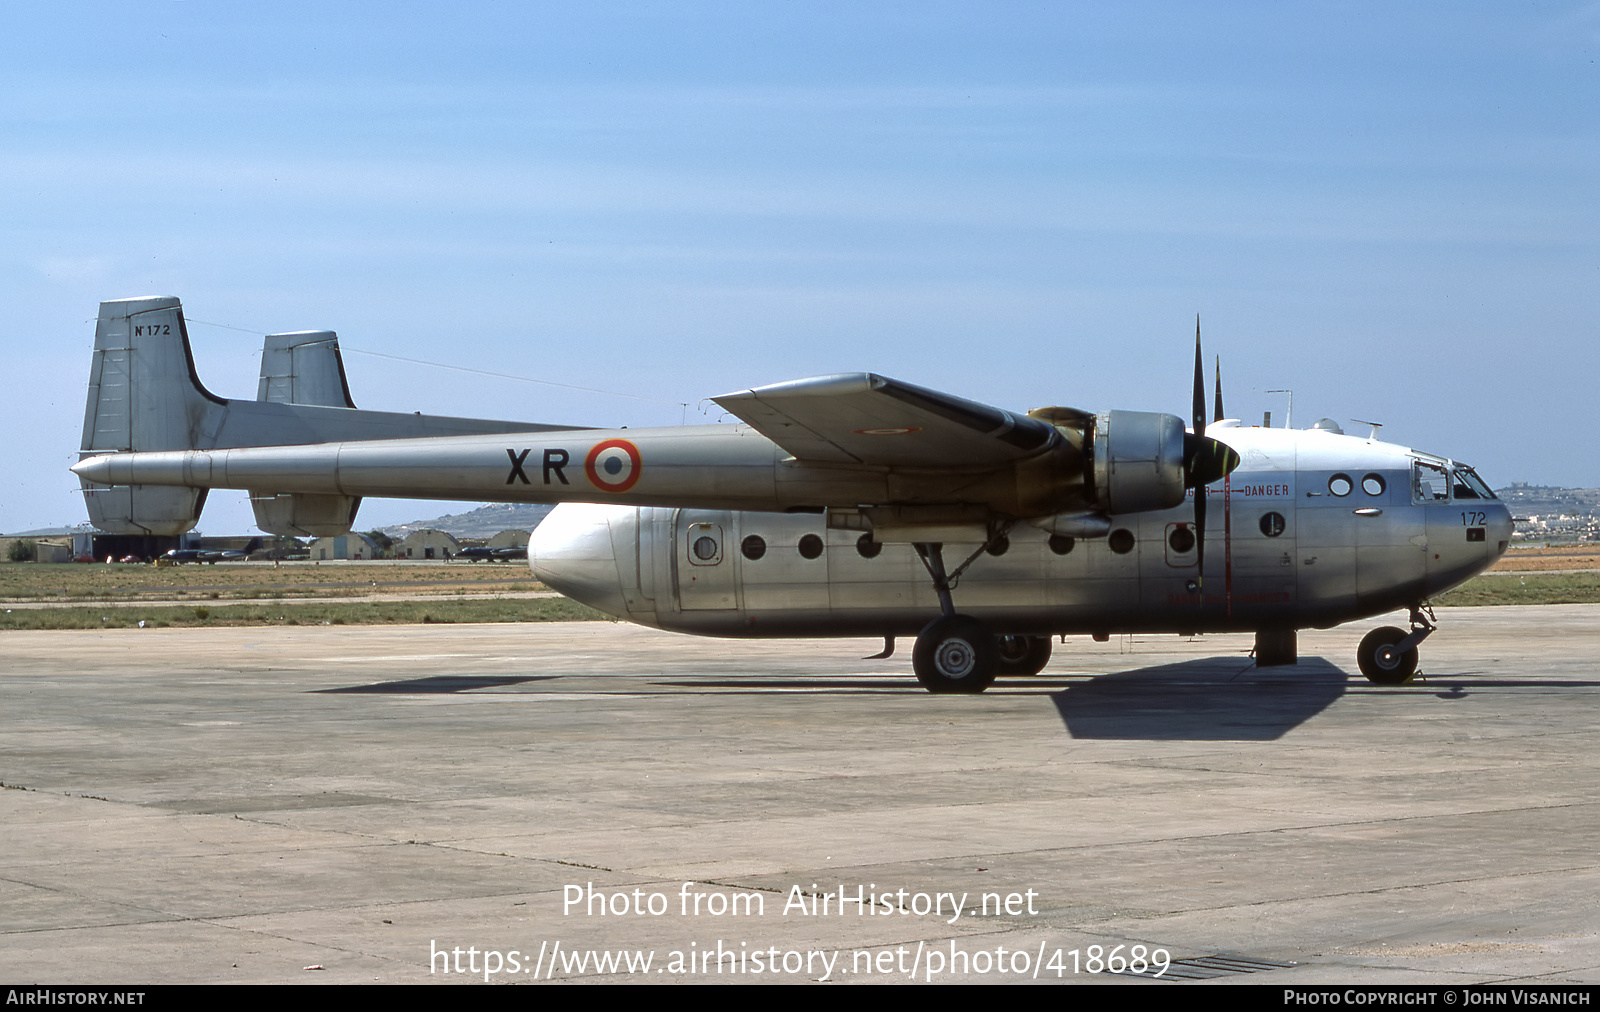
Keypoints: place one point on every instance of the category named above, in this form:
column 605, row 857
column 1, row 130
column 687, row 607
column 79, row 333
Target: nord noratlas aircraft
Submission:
column 843, row 505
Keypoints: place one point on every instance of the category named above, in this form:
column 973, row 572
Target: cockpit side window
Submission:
column 1429, row 482
column 1467, row 484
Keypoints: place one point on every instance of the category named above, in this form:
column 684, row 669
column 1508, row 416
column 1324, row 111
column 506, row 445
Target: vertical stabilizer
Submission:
column 304, row 367
column 144, row 395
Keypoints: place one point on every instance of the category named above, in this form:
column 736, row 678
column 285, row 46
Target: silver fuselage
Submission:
column 1283, row 550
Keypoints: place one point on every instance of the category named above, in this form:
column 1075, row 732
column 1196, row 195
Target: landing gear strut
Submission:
column 1388, row 656
column 955, row 653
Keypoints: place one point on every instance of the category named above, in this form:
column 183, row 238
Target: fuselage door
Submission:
column 705, row 574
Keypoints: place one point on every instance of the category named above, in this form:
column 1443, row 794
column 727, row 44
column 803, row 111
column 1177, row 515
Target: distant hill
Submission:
column 1553, row 513
column 1549, row 498
column 483, row 522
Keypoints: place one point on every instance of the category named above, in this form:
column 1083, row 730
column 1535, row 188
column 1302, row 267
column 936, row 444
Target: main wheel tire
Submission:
column 955, row 654
column 1381, row 662
column 1021, row 655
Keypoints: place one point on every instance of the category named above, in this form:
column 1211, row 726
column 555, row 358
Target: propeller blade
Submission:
column 1205, row 459
column 1199, row 451
column 1218, row 416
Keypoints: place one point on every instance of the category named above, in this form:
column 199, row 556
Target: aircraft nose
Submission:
column 571, row 552
column 1500, row 528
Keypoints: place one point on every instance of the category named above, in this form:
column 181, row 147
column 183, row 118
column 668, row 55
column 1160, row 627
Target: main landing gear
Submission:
column 1022, row 655
column 956, row 653
column 1388, row 656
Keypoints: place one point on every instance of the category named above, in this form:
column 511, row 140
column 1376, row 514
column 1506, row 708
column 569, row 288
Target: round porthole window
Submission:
column 1121, row 541
column 1373, row 484
column 868, row 548
column 1181, row 540
column 999, row 546
column 1272, row 524
column 1061, row 544
column 810, row 546
column 753, row 547
column 1340, row 484
column 705, row 548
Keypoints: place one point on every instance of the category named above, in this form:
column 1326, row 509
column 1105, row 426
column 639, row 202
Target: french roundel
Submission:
column 613, row 466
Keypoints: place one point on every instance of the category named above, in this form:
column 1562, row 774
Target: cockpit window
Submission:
column 1467, row 484
column 1429, row 482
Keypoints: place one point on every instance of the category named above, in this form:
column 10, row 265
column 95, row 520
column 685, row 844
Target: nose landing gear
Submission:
column 1388, row 656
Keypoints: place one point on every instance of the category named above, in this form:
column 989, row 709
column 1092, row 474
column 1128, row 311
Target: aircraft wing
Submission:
column 870, row 419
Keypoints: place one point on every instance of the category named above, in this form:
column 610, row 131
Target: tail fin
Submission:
column 144, row 395
column 304, row 367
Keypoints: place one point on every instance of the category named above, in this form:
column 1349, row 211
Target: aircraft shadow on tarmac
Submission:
column 437, row 684
column 1208, row 699
column 1205, row 699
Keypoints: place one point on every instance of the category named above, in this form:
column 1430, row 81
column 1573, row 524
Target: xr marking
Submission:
column 516, row 466
column 555, row 460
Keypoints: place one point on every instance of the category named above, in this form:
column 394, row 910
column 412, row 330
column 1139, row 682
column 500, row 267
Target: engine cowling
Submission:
column 1138, row 461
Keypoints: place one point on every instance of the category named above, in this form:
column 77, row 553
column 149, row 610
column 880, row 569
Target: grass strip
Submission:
column 1524, row 588
column 555, row 609
column 1500, row 589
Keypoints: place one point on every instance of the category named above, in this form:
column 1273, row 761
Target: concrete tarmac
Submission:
column 355, row 804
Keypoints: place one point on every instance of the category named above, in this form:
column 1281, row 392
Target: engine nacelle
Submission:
column 1138, row 461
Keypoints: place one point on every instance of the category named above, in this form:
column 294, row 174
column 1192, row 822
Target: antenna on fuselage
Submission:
column 1288, row 422
column 1373, row 435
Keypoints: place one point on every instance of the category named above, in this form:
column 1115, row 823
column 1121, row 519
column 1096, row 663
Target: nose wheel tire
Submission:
column 1381, row 662
column 1021, row 655
column 954, row 654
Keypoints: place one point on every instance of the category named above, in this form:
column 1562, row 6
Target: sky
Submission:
column 1391, row 209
